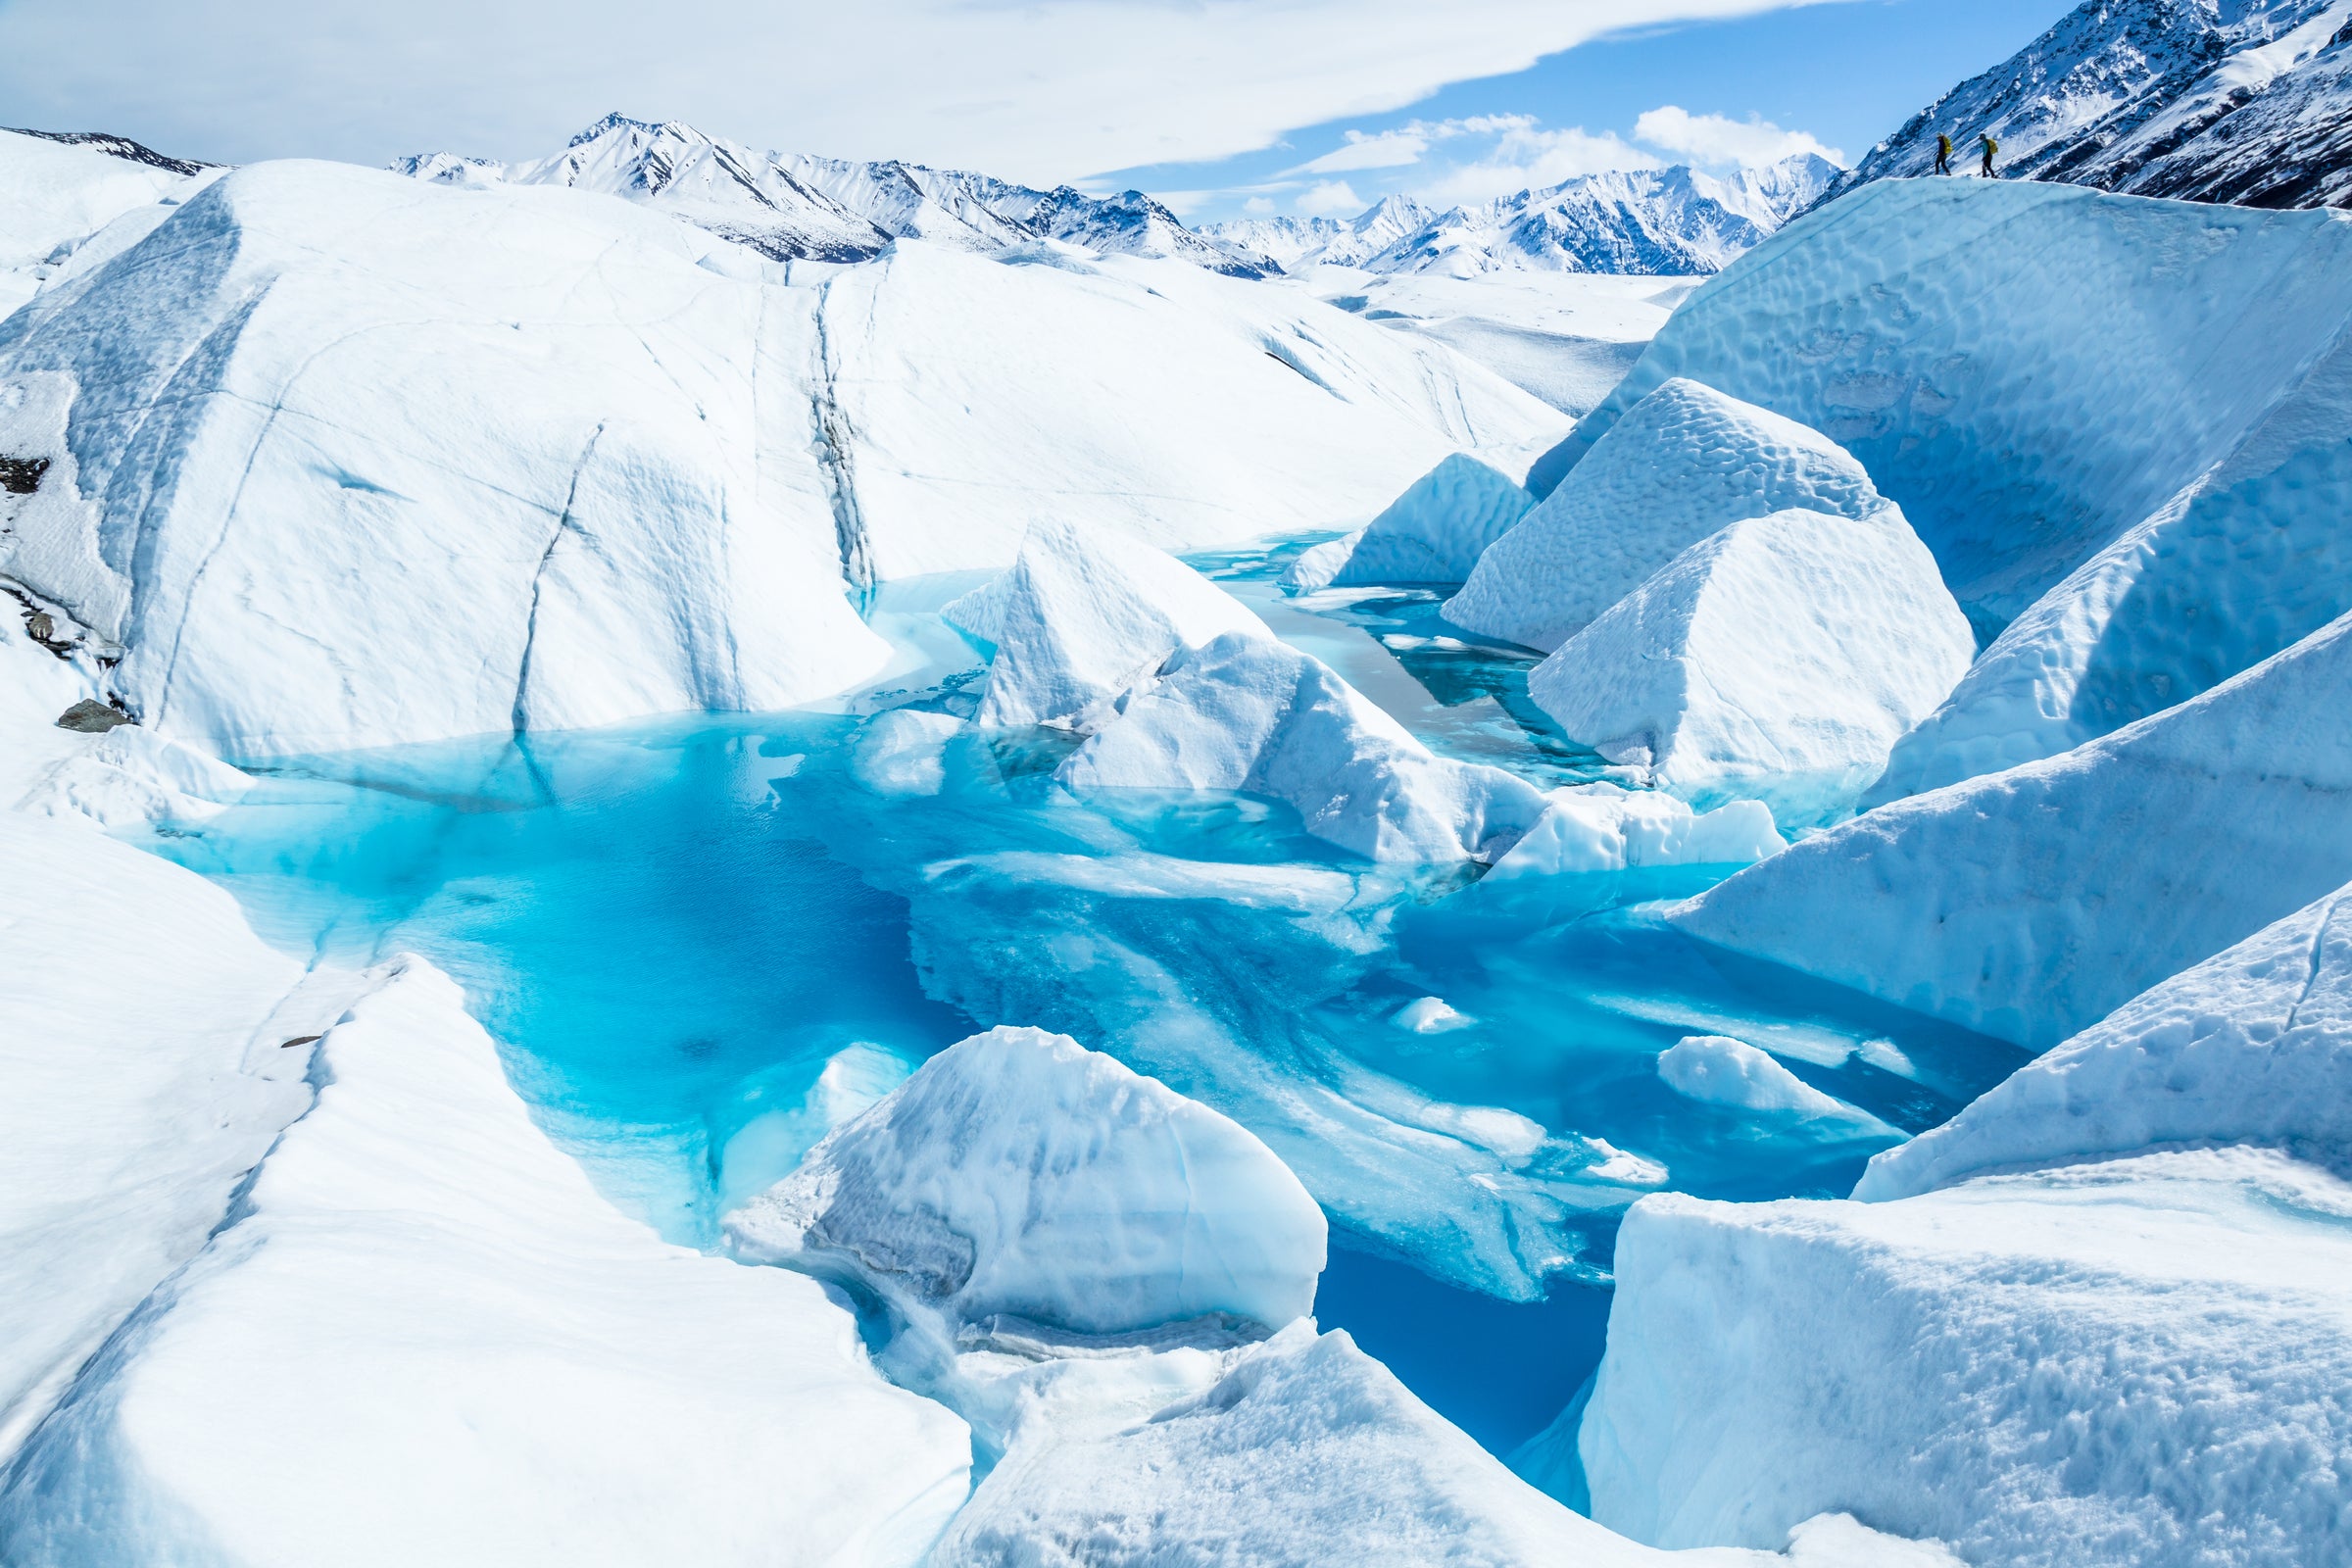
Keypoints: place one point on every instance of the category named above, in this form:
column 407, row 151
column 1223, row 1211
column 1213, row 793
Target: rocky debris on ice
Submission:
column 1246, row 713
column 2030, row 903
column 2248, row 105
column 823, row 209
column 2246, row 558
column 2135, row 1364
column 416, row 1284
column 1606, row 828
column 1018, row 1174
column 1779, row 660
column 1306, row 1451
column 2253, row 1046
column 659, row 463
column 2029, row 371
column 1081, row 616
column 1434, row 532
column 1683, row 462
column 56, row 191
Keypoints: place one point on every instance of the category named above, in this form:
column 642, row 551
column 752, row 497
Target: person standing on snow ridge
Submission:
column 1943, row 154
column 1991, row 147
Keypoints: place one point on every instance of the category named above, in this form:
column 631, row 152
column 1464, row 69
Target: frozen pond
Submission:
column 699, row 940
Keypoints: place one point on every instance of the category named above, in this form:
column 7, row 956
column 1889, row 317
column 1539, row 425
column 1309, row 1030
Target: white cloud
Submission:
column 1391, row 149
column 1329, row 199
column 1529, row 157
column 1046, row 90
column 1257, row 207
column 1720, row 141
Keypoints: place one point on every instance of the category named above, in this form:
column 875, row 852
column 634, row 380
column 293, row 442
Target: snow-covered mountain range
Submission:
column 1651, row 223
column 791, row 205
column 2222, row 102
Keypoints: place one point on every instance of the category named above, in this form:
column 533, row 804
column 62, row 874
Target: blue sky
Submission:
column 1839, row 76
column 1179, row 96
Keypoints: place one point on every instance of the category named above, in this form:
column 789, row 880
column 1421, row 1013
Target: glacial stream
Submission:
column 701, row 940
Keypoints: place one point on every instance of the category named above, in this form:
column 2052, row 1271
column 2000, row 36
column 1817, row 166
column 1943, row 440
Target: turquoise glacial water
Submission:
column 676, row 928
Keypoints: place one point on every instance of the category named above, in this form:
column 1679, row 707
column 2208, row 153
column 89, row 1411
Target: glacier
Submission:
column 2028, row 371
column 1779, row 660
column 1437, row 531
column 2030, row 903
column 1689, row 461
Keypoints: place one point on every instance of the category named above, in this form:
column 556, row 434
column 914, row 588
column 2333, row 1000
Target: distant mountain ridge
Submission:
column 2243, row 103
column 790, row 206
column 1673, row 221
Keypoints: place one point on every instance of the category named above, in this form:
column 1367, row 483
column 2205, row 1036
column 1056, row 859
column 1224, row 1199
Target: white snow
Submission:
column 1081, row 616
column 981, row 397
column 2027, row 369
column 652, row 459
column 2249, row 556
column 2254, row 1046
column 1248, row 713
column 53, row 195
column 2029, row 903
column 1434, row 532
column 1306, row 1451
column 139, row 1049
column 1682, row 462
column 422, row 1337
column 1605, row 827
column 1778, row 659
column 2141, row 1364
column 1723, row 1071
column 600, row 512
column 1018, row 1173
column 1567, row 337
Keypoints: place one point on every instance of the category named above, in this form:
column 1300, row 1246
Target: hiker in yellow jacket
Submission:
column 1943, row 154
column 1991, row 147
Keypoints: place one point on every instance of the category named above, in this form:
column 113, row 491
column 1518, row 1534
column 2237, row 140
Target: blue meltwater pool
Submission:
column 701, row 942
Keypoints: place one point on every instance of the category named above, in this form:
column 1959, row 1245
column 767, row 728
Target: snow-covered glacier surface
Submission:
column 702, row 943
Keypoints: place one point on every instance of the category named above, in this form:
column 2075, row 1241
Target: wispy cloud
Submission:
column 1720, row 141
column 1528, row 156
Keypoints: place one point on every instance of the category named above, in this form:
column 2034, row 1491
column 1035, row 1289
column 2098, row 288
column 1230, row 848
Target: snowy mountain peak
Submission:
column 2248, row 102
column 1655, row 221
column 122, row 147
column 790, row 206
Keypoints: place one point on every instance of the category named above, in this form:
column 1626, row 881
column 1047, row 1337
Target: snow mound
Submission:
column 143, row 1078
column 1304, row 1451
column 1779, row 660
column 1603, row 827
column 1083, row 615
column 1682, row 462
column 419, row 1288
column 2027, row 369
column 2103, row 1367
column 593, row 518
column 2247, row 557
column 2253, row 1046
column 55, row 193
column 1020, row 1173
column 2030, row 903
column 1434, row 532
column 903, row 752
column 1252, row 715
column 1723, row 1071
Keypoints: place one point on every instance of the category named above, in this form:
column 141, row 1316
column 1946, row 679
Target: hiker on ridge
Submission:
column 1991, row 147
column 1943, row 154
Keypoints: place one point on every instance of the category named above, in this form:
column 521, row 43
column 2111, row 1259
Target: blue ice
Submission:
column 702, row 939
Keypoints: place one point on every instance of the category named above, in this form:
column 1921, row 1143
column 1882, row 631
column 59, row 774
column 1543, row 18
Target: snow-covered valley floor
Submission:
column 692, row 939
